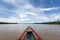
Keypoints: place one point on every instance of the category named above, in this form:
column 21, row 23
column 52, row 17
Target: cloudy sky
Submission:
column 29, row 11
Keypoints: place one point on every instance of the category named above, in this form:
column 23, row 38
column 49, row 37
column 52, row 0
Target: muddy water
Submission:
column 45, row 31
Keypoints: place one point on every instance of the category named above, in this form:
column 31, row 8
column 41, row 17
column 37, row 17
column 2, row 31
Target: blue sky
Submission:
column 29, row 11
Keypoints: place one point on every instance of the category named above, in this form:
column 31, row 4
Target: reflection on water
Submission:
column 13, row 31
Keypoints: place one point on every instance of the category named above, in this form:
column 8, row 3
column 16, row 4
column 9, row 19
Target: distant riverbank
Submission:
column 30, row 23
column 7, row 23
column 48, row 23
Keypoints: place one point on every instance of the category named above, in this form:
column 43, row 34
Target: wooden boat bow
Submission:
column 29, row 34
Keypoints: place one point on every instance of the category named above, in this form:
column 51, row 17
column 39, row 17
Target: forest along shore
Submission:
column 7, row 23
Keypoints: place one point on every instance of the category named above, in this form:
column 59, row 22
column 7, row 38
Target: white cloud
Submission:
column 49, row 9
column 31, row 13
column 55, row 16
column 17, row 3
column 42, row 16
column 24, row 9
column 28, row 6
column 22, row 15
column 12, row 19
column 10, row 1
column 25, row 19
column 23, row 4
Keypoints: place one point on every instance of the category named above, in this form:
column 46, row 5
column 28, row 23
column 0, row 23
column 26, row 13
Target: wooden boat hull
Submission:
column 29, row 34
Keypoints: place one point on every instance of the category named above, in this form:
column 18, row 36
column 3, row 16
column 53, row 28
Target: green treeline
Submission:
column 7, row 23
column 51, row 23
column 55, row 22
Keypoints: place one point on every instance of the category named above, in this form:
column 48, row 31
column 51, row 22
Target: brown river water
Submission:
column 45, row 31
